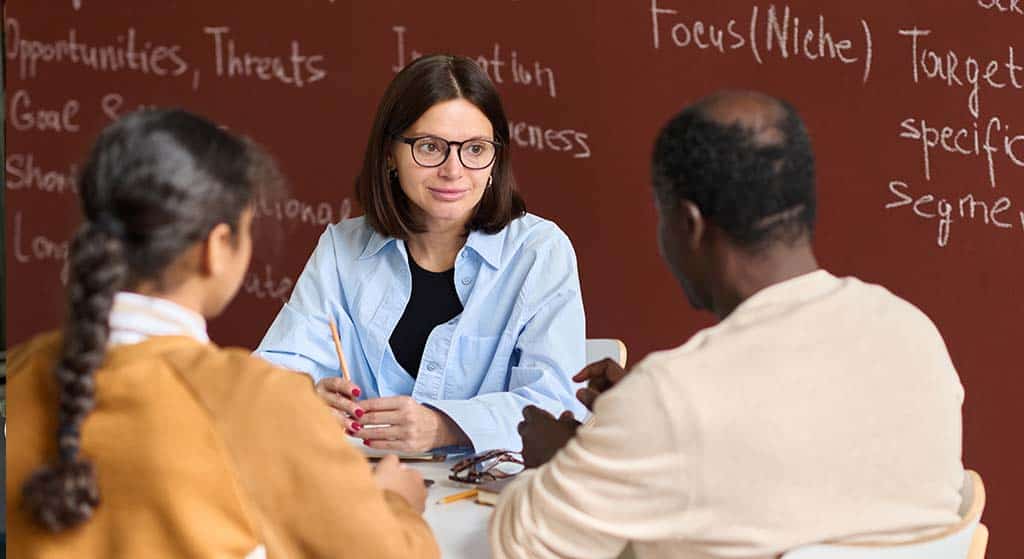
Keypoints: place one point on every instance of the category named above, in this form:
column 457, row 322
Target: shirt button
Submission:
column 466, row 281
column 431, row 366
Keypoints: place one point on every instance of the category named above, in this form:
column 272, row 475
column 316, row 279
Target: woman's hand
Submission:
column 406, row 426
column 341, row 395
column 391, row 475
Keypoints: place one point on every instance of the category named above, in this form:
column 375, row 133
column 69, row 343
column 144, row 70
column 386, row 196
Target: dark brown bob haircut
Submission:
column 419, row 86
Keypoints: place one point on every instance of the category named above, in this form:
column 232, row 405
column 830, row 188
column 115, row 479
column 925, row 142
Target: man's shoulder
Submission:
column 853, row 301
column 669, row 367
column 882, row 307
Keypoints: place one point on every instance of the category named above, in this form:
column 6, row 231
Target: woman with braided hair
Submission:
column 167, row 445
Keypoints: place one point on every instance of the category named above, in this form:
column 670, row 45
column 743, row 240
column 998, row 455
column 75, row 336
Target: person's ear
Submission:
column 694, row 225
column 217, row 250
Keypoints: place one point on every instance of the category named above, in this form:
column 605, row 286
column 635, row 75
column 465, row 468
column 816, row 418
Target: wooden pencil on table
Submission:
column 468, row 494
column 337, row 348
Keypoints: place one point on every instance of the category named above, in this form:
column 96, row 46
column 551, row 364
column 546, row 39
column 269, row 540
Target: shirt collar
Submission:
column 800, row 288
column 487, row 246
column 135, row 318
column 375, row 244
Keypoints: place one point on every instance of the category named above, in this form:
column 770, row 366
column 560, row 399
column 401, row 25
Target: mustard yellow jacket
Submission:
column 202, row 452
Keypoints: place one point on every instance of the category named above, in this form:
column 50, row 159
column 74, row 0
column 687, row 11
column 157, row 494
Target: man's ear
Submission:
column 694, row 226
column 215, row 250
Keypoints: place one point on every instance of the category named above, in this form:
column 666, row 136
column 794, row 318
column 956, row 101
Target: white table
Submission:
column 460, row 527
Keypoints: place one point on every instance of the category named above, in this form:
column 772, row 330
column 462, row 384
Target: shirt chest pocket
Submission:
column 482, row 366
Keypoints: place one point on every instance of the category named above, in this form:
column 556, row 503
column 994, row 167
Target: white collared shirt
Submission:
column 518, row 341
column 135, row 318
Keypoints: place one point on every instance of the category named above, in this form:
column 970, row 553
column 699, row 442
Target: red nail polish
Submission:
column 356, row 392
column 356, row 426
column 360, row 412
column 350, row 432
column 366, row 442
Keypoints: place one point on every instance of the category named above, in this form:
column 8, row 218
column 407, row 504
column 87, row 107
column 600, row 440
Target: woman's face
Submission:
column 445, row 196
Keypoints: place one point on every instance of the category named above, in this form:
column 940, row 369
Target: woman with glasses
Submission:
column 455, row 307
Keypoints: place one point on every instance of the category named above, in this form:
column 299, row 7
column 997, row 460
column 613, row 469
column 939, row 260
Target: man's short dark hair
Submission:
column 755, row 183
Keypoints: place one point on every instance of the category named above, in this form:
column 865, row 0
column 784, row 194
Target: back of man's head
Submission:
column 745, row 160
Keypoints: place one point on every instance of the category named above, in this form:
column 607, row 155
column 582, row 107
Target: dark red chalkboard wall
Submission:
column 916, row 109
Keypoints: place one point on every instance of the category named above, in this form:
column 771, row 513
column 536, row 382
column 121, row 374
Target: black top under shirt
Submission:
column 433, row 301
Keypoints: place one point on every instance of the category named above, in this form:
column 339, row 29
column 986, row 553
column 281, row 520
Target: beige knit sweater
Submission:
column 820, row 409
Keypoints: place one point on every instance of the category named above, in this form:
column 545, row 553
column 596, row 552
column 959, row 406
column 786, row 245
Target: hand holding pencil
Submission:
column 341, row 393
column 402, row 424
column 341, row 354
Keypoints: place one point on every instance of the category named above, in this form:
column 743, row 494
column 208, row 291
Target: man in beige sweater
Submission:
column 818, row 409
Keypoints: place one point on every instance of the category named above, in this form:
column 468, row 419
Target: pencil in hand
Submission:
column 337, row 348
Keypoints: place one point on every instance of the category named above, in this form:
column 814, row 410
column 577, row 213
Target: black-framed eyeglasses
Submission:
column 433, row 151
column 484, row 466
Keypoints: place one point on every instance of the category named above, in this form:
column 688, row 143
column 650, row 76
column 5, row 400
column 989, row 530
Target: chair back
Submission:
column 599, row 348
column 966, row 539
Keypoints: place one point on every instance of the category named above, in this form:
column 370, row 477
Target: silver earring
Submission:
column 490, row 179
column 393, row 173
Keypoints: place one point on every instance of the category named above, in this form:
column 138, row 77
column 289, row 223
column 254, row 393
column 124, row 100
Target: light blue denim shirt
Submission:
column 518, row 341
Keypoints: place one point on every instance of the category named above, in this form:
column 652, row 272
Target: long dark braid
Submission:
column 156, row 182
column 65, row 493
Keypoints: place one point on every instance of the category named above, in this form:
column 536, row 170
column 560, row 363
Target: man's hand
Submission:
column 600, row 376
column 408, row 426
column 543, row 435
